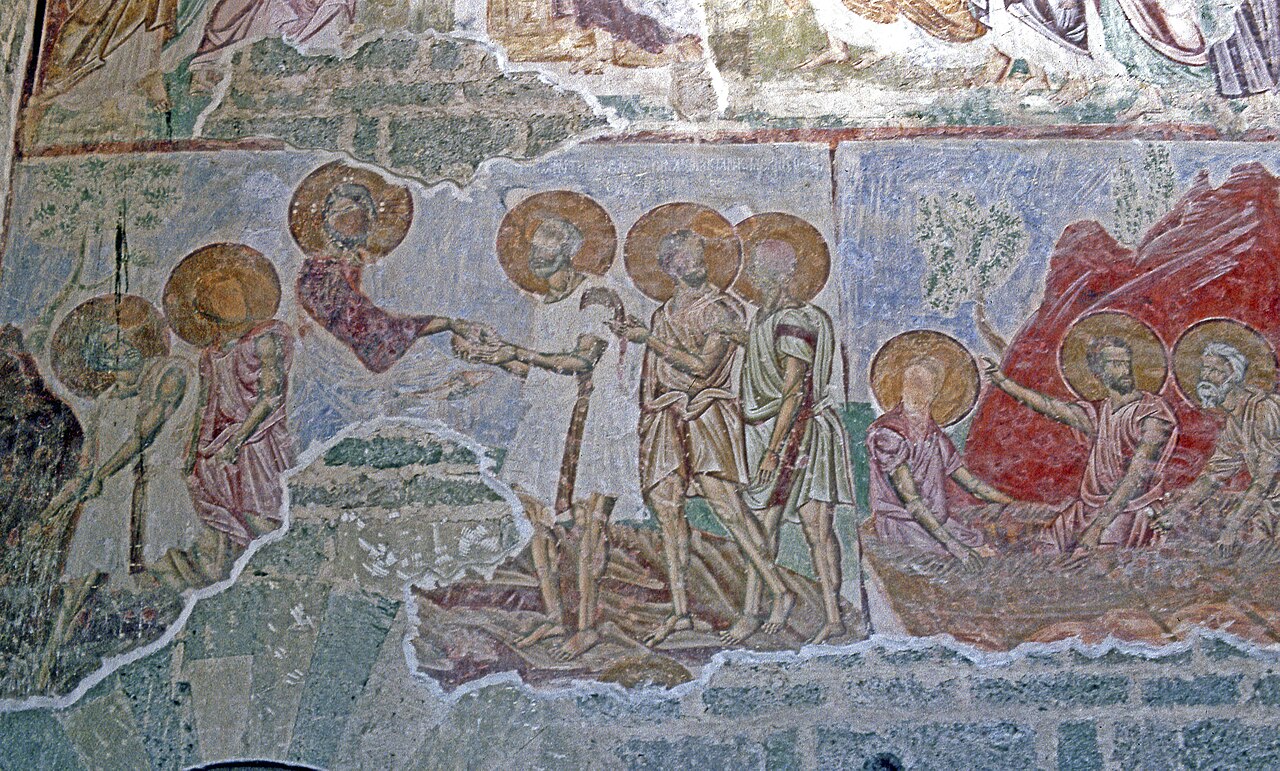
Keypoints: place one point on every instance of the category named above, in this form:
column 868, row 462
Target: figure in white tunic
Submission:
column 797, row 452
column 573, row 456
column 135, row 505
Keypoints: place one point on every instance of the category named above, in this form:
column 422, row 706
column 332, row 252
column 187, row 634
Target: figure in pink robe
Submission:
column 931, row 458
column 329, row 286
column 226, row 492
column 1117, row 434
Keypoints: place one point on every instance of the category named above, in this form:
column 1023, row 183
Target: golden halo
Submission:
column 813, row 259
column 258, row 282
column 959, row 389
column 1150, row 365
column 599, row 238
column 138, row 321
column 723, row 250
column 393, row 206
column 1190, row 347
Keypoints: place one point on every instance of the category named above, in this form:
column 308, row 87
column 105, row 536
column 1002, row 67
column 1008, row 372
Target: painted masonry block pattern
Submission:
column 639, row 384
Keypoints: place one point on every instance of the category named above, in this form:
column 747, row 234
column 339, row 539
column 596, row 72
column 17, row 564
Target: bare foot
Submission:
column 782, row 605
column 152, row 84
column 577, row 645
column 867, row 60
column 544, row 630
column 833, row 55
column 741, row 630
column 673, row 623
column 829, row 630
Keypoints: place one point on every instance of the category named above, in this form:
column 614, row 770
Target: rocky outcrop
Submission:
column 1216, row 254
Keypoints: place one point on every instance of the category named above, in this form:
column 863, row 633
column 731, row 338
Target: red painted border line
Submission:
column 828, row 136
column 1154, row 132
column 155, row 146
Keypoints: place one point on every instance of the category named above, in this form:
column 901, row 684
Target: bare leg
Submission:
column 667, row 500
column 74, row 596
column 994, row 72
column 546, row 564
column 750, row 537
column 749, row 621
column 593, row 557
column 817, row 520
column 211, row 554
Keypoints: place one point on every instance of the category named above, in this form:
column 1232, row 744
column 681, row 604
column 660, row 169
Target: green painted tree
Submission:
column 1141, row 193
column 969, row 250
column 95, row 203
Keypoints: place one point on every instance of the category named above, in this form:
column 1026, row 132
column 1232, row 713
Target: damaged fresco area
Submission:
column 381, row 81
column 575, row 431
column 381, row 378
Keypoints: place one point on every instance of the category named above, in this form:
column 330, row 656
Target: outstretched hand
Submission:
column 479, row 343
column 768, row 469
column 630, row 329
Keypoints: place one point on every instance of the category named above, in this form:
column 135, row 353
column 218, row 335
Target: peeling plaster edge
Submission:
column 313, row 453
column 615, row 121
column 9, row 159
column 718, row 81
column 887, row 643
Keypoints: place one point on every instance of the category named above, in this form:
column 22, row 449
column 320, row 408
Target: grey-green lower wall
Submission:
column 221, row 693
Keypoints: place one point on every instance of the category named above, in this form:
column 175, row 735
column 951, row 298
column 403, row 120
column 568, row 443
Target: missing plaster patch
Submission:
column 431, row 106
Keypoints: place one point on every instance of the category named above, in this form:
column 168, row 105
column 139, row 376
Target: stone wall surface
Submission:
column 639, row 384
column 337, row 694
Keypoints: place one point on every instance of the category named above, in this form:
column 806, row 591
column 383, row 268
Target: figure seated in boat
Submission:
column 1235, row 378
column 931, row 380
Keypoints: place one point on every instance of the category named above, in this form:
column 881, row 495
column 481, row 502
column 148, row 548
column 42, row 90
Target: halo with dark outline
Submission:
column 959, row 390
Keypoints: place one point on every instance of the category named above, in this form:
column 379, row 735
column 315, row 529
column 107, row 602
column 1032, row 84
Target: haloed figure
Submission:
column 135, row 504
column 911, row 459
column 796, row 447
column 564, row 462
column 691, row 424
column 1249, row 442
column 241, row 445
column 329, row 284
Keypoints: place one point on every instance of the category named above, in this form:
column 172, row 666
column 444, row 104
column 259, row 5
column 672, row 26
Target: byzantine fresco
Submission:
column 763, row 397
column 232, row 70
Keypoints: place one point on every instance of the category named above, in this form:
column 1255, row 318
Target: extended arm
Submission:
column 1055, row 409
column 1257, row 492
column 168, row 395
column 580, row 361
column 1191, row 499
column 966, row 479
column 793, row 376
column 194, row 445
column 905, row 486
column 699, row 363
column 1137, row 477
